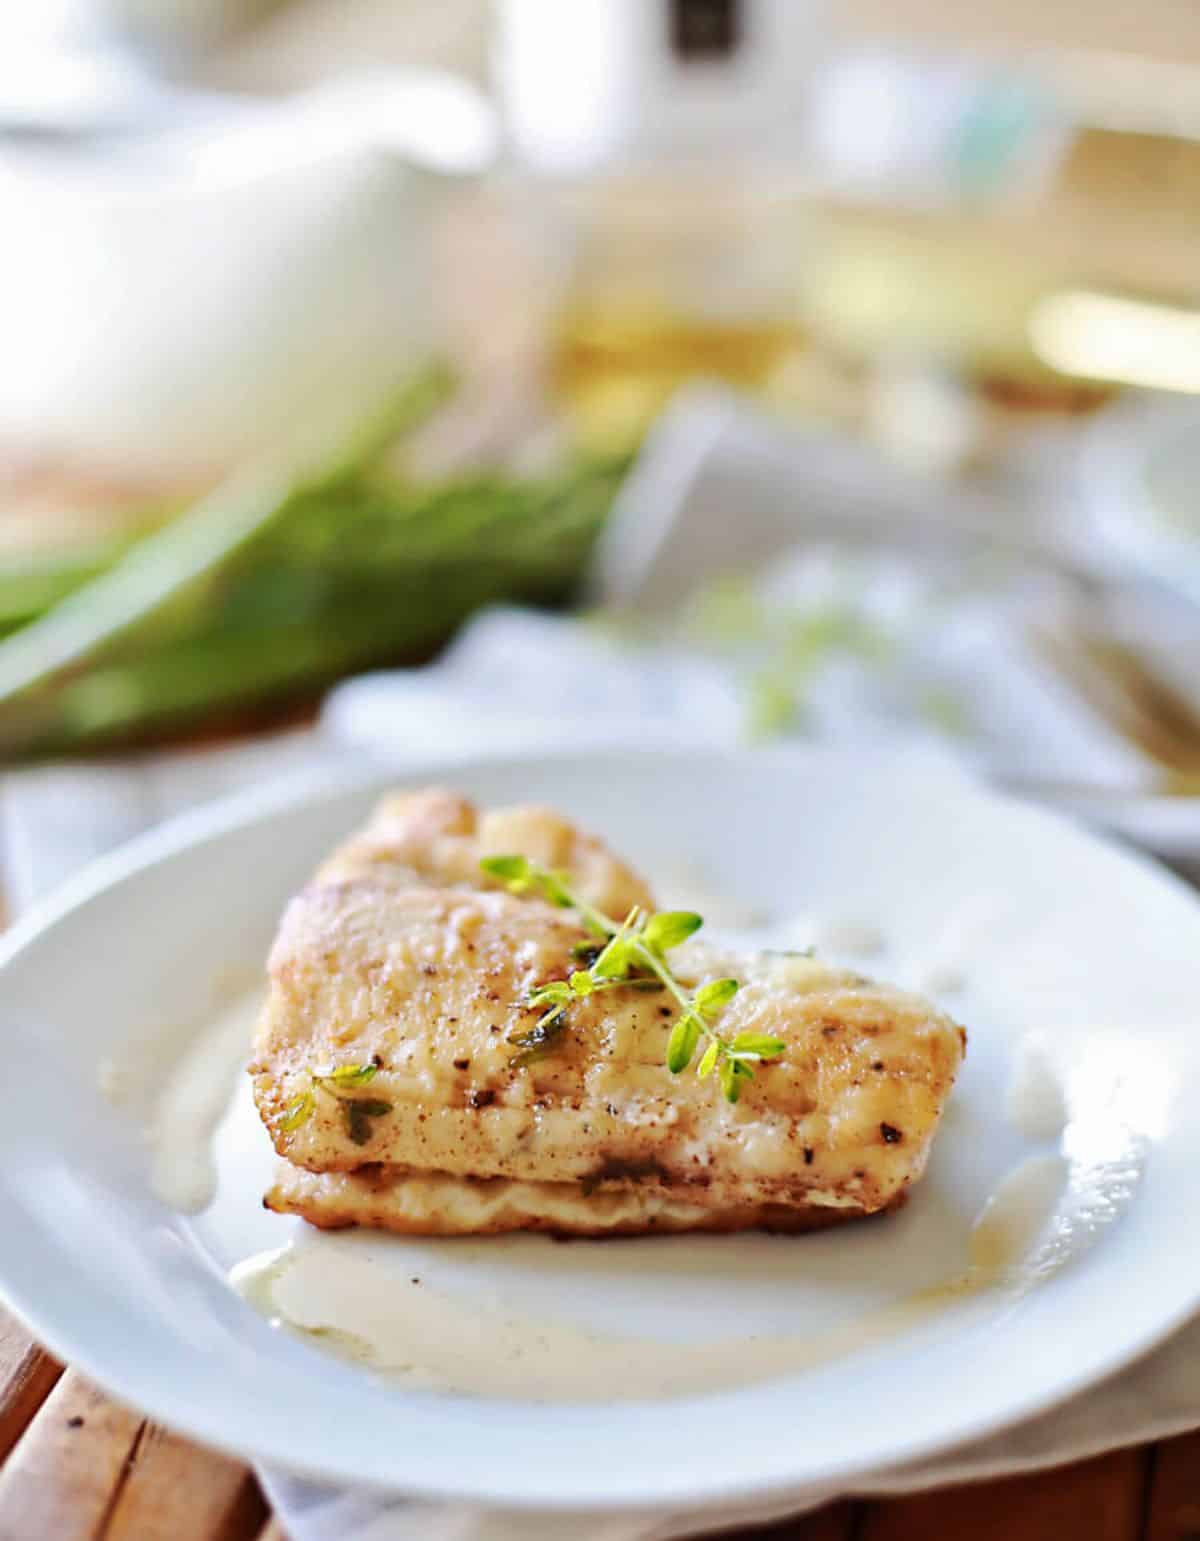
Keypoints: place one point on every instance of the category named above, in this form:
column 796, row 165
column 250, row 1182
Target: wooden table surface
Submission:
column 78, row 1467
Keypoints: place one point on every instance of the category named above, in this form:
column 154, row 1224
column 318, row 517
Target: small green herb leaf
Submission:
column 556, row 993
column 669, row 928
column 733, row 1075
column 534, row 1041
column 519, row 875
column 710, row 998
column 616, row 959
column 358, row 1113
column 511, row 870
column 709, row 1060
column 681, row 1045
column 758, row 1045
column 352, row 1075
column 581, row 982
column 298, row 1111
column 554, row 887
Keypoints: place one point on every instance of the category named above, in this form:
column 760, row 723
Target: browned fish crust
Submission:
column 402, row 955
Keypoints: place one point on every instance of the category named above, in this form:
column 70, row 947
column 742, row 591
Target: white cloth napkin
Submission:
column 55, row 819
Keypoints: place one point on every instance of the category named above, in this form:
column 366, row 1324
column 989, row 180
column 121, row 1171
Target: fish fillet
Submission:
column 399, row 954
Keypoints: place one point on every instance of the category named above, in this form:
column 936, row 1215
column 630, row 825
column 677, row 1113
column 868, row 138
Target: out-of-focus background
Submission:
column 739, row 369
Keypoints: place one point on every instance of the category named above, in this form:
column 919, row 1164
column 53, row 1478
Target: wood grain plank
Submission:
column 27, row 1377
column 835, row 1522
column 62, row 1478
column 1173, row 1509
column 1098, row 1500
column 176, row 1489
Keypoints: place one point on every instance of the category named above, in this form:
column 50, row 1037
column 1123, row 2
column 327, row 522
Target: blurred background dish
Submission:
column 329, row 324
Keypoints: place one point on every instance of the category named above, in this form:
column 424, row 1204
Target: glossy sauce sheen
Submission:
column 195, row 1094
column 346, row 1300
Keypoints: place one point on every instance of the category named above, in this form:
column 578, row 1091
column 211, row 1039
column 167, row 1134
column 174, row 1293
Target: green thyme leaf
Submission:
column 733, row 1075
column 370, row 1107
column 519, row 875
column 616, row 959
column 620, row 953
column 541, row 1032
column 533, row 1042
column 358, row 1113
column 556, row 993
column 554, row 887
column 709, row 1060
column 716, row 994
column 352, row 1075
column 681, row 1045
column 298, row 1111
column 511, row 870
column 581, row 982
column 669, row 928
column 758, row 1045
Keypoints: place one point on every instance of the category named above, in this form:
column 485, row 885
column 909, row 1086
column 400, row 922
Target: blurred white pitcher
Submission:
column 169, row 302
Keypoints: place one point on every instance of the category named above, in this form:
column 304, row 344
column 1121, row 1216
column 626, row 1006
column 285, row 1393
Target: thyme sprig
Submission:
column 634, row 954
column 356, row 1111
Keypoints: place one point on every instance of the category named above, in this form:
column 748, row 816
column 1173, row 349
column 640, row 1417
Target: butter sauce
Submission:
column 344, row 1299
column 195, row 1095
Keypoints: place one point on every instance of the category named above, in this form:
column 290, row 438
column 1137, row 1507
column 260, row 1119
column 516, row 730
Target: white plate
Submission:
column 1073, row 938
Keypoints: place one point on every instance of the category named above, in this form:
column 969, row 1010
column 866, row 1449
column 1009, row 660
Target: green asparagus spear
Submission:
column 164, row 580
column 31, row 584
column 297, row 618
